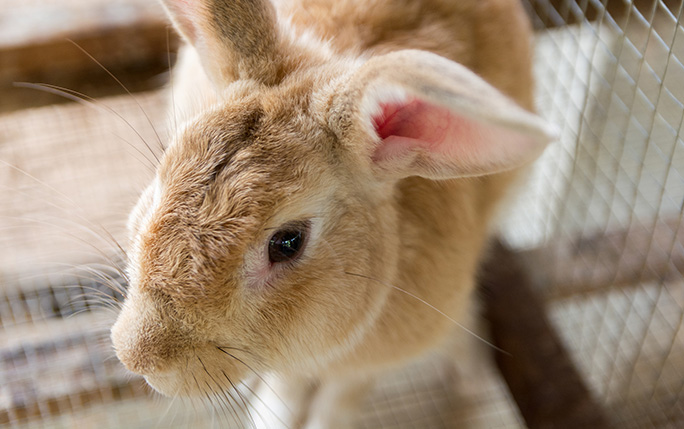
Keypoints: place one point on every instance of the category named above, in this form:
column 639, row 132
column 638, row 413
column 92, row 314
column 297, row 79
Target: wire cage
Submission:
column 598, row 229
column 603, row 221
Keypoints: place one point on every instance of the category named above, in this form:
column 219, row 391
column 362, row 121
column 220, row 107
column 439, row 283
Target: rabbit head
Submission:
column 264, row 241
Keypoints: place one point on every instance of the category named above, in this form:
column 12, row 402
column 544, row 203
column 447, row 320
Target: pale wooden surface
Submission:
column 69, row 176
column 53, row 42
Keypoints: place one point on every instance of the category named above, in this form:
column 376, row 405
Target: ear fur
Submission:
column 420, row 114
column 234, row 39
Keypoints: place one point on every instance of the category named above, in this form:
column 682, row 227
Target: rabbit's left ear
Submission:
column 431, row 117
column 234, row 40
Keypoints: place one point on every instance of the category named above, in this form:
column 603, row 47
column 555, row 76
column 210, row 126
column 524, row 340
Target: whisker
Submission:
column 207, row 406
column 218, row 403
column 98, row 300
column 172, row 401
column 100, row 269
column 90, row 293
column 66, row 233
column 262, row 379
column 168, row 409
column 161, row 145
column 451, row 319
column 222, row 391
column 173, row 95
column 241, row 407
column 239, row 350
column 98, row 276
column 107, row 235
column 85, row 310
column 242, row 399
column 108, row 280
column 270, row 410
column 84, row 99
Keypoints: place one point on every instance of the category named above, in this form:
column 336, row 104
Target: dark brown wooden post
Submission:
column 547, row 387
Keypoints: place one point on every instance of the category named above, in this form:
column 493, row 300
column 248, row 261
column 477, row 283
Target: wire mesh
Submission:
column 604, row 216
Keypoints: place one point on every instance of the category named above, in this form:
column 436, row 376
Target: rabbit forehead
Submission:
column 258, row 149
column 230, row 175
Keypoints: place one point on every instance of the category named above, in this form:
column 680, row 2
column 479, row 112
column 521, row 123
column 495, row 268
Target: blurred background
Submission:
column 598, row 230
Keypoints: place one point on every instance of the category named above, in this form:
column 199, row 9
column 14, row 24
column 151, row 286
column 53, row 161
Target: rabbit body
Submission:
column 352, row 124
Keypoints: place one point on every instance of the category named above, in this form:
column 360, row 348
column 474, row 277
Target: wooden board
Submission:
column 61, row 43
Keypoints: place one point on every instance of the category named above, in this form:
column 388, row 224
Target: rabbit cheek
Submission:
column 257, row 271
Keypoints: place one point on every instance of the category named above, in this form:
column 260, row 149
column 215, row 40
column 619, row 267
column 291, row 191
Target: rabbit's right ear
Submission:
column 414, row 113
column 234, row 39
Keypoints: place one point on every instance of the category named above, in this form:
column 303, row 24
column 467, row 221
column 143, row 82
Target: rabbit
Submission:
column 320, row 213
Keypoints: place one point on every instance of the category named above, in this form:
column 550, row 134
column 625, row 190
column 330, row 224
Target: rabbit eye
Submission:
column 287, row 244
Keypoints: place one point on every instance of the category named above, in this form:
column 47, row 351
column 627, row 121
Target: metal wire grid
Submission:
column 615, row 86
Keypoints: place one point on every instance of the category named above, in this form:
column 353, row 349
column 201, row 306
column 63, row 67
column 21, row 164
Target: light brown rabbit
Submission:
column 326, row 200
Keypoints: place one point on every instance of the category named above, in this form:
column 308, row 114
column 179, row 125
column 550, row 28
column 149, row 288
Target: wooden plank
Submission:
column 557, row 13
column 540, row 374
column 39, row 42
column 54, row 366
column 55, row 406
column 641, row 253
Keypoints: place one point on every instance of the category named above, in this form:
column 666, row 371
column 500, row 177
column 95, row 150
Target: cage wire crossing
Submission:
column 599, row 227
column 606, row 210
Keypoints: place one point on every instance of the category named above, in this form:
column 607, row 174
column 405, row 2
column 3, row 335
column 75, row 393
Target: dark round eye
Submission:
column 286, row 244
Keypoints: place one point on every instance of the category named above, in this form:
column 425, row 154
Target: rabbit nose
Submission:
column 144, row 347
column 129, row 351
column 134, row 360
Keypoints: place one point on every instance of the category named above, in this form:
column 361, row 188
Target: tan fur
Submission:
column 281, row 144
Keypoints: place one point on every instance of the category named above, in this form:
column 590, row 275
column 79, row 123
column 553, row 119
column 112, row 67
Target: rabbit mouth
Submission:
column 165, row 384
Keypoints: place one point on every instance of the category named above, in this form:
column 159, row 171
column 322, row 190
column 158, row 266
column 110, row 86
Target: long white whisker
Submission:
column 106, row 280
column 221, row 392
column 93, row 298
column 91, row 102
column 451, row 319
column 262, row 379
column 71, row 202
column 161, row 145
column 66, row 233
column 270, row 410
column 168, row 409
column 93, row 293
column 173, row 92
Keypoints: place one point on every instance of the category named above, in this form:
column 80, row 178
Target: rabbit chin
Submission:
column 191, row 380
column 167, row 384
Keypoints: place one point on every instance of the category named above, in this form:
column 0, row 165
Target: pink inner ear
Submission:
column 414, row 124
column 447, row 141
column 414, row 119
